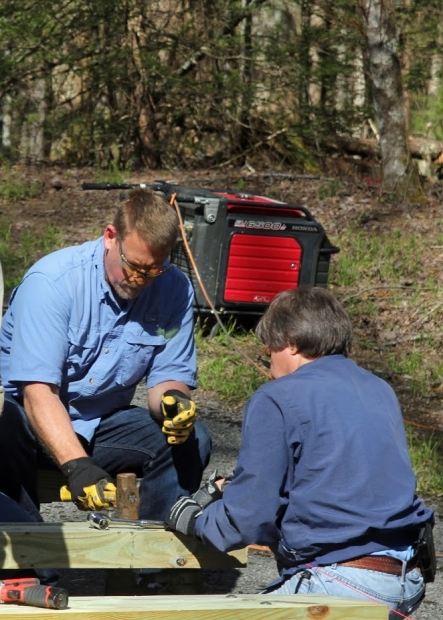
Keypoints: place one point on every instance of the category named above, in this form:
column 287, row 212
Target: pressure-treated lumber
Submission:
column 242, row 607
column 76, row 545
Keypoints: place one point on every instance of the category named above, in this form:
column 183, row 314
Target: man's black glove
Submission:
column 90, row 486
column 209, row 492
column 182, row 516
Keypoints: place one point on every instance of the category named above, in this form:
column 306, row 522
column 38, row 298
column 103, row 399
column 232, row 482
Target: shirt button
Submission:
column 106, row 350
column 91, row 380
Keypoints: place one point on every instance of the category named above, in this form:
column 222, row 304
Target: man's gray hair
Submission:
column 309, row 318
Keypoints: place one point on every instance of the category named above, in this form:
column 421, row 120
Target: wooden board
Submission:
column 77, row 545
column 214, row 607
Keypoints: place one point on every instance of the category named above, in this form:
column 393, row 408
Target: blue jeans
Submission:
column 127, row 440
column 349, row 582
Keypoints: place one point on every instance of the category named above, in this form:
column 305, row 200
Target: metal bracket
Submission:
column 210, row 205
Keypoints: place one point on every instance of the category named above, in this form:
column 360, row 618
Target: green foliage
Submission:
column 20, row 249
column 381, row 257
column 184, row 87
column 426, row 453
column 14, row 188
column 222, row 370
column 329, row 188
column 113, row 174
column 427, row 115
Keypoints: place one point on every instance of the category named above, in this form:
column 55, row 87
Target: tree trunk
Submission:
column 305, row 61
column 436, row 65
column 244, row 138
column 32, row 141
column 400, row 176
column 143, row 104
column 7, row 122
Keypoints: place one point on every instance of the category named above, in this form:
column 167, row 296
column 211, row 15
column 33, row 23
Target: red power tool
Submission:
column 29, row 591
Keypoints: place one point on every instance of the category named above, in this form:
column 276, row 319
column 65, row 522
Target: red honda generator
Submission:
column 246, row 248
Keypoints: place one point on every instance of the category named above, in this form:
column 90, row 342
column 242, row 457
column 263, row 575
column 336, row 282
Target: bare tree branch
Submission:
column 229, row 29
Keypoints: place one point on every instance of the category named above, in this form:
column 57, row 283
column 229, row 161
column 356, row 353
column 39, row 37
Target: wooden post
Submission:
column 128, row 498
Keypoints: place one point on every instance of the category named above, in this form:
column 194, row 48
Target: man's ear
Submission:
column 109, row 236
column 293, row 349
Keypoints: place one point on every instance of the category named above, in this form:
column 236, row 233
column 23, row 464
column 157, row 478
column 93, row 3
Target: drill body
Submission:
column 29, row 591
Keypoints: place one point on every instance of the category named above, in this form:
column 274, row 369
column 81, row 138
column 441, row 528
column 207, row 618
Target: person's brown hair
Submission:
column 309, row 318
column 151, row 216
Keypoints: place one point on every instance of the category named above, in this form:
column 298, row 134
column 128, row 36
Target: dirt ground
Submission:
column 336, row 204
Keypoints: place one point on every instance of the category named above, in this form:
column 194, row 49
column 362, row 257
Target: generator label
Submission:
column 259, row 225
column 304, row 228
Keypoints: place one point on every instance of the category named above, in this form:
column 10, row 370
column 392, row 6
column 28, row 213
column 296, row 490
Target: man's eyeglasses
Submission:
column 141, row 274
column 264, row 358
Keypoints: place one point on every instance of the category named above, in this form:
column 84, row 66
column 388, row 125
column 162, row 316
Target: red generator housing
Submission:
column 247, row 248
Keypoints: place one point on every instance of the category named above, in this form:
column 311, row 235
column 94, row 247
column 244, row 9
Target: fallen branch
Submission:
column 251, row 148
column 374, row 288
column 425, row 316
column 421, row 148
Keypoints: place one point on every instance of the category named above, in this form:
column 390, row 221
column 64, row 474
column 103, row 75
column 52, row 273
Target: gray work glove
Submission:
column 209, row 492
column 182, row 516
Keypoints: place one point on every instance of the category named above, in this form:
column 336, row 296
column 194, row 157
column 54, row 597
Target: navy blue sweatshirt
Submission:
column 323, row 474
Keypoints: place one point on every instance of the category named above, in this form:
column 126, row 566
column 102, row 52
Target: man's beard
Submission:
column 126, row 291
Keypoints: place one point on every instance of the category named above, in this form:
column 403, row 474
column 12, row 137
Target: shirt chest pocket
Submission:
column 82, row 352
column 140, row 348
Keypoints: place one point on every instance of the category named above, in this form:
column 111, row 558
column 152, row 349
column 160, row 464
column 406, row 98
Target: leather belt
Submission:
column 382, row 563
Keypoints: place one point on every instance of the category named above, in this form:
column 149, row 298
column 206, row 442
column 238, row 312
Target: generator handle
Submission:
column 113, row 185
column 304, row 210
column 301, row 208
column 278, row 205
column 158, row 186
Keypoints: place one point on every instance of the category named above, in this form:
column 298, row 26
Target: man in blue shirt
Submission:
column 84, row 327
column 323, row 476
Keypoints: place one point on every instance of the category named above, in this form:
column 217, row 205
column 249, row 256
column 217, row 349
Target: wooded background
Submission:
column 163, row 83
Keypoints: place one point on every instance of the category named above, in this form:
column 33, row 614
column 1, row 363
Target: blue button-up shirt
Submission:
column 65, row 326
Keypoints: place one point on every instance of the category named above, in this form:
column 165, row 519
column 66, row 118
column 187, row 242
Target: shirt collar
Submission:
column 99, row 264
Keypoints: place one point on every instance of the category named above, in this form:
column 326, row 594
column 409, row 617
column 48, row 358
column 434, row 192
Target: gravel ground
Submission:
column 225, row 429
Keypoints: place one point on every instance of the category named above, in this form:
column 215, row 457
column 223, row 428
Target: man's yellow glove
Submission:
column 180, row 415
column 90, row 487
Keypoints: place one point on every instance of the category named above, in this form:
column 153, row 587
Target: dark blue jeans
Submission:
column 127, row 440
